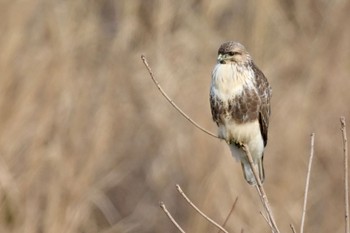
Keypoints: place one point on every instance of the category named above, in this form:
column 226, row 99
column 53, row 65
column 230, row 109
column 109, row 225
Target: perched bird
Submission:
column 240, row 105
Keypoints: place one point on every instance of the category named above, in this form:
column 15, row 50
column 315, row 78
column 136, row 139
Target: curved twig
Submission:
column 198, row 210
column 171, row 101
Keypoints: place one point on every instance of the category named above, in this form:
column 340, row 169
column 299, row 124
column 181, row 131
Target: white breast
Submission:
column 228, row 81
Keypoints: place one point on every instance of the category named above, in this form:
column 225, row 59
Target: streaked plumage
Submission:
column 240, row 105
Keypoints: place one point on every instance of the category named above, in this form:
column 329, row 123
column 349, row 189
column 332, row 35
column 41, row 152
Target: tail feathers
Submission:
column 248, row 173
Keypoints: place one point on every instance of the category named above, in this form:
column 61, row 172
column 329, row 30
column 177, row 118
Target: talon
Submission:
column 237, row 143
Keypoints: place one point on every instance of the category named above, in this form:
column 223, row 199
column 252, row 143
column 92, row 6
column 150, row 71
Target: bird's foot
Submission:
column 236, row 143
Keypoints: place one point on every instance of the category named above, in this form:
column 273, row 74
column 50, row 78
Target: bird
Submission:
column 240, row 97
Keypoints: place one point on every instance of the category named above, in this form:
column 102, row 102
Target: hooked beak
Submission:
column 221, row 59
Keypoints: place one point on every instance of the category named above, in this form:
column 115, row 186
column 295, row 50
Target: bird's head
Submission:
column 233, row 52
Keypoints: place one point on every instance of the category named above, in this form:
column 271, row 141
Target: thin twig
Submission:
column 266, row 219
column 346, row 173
column 171, row 101
column 198, row 210
column 261, row 191
column 229, row 214
column 170, row 217
column 307, row 182
column 293, row 228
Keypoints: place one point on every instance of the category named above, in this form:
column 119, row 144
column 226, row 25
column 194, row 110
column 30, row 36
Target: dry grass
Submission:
column 87, row 144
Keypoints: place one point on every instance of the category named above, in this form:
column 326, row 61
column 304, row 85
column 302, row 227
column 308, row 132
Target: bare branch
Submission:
column 198, row 210
column 261, row 191
column 171, row 101
column 307, row 182
column 170, row 217
column 346, row 173
column 229, row 214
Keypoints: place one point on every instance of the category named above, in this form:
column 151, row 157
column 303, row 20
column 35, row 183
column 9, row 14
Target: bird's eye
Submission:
column 233, row 53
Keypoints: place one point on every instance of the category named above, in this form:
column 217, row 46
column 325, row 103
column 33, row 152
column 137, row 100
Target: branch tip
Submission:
column 307, row 182
column 161, row 204
column 346, row 173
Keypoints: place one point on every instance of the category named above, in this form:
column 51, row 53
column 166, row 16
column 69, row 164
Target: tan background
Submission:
column 88, row 144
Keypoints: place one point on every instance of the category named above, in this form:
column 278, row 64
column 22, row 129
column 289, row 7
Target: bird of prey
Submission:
column 240, row 105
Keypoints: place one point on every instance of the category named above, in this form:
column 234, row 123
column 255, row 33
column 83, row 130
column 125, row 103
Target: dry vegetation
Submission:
column 87, row 143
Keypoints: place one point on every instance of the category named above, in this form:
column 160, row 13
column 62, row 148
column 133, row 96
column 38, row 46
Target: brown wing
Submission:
column 241, row 109
column 265, row 92
column 217, row 109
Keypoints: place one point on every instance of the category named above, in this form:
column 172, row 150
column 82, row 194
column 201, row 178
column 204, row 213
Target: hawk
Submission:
column 240, row 105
